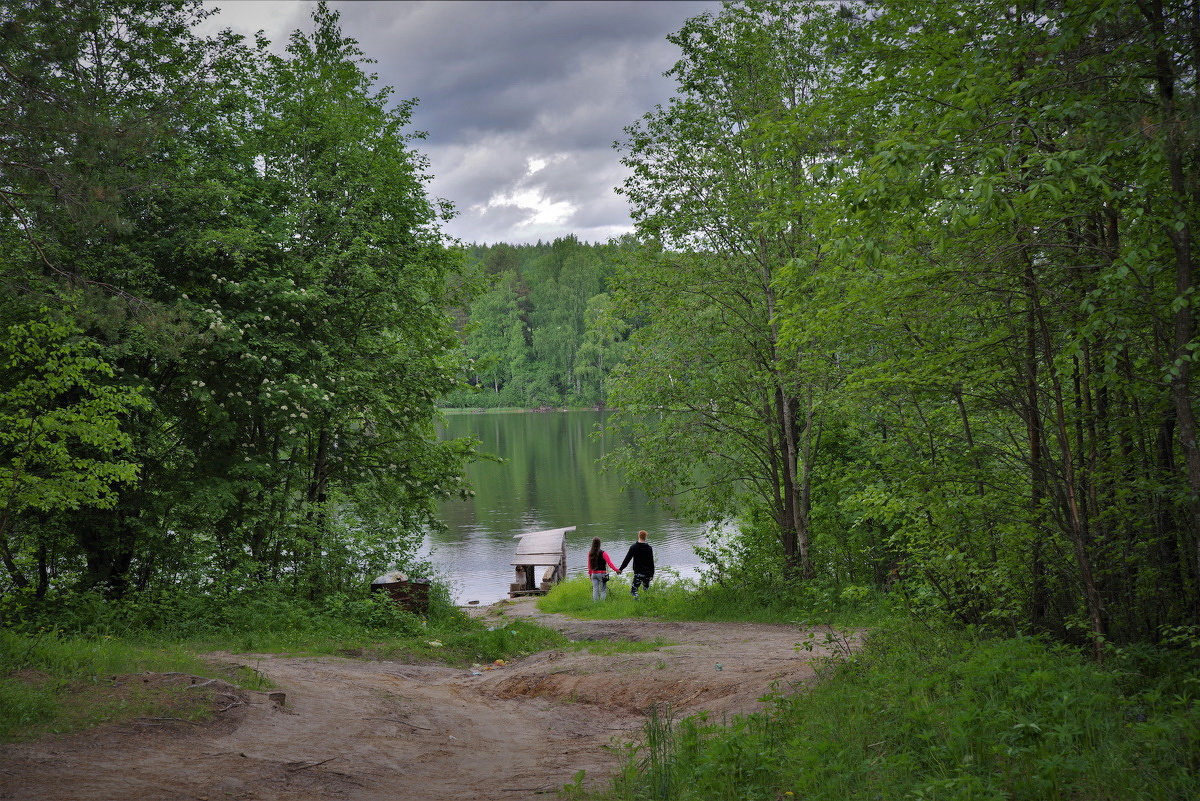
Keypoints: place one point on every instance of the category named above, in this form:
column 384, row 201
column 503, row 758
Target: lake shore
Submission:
column 521, row 409
column 551, row 476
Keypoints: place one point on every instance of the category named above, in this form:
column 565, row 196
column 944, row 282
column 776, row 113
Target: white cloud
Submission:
column 275, row 18
column 542, row 210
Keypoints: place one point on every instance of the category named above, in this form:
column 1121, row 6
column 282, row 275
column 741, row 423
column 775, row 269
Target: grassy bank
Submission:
column 929, row 712
column 505, row 409
column 670, row 598
column 56, row 658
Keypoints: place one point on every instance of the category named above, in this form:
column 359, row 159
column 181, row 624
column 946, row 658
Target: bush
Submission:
column 375, row 611
column 180, row 614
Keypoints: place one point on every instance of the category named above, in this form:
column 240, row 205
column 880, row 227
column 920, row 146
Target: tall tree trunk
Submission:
column 1179, row 232
column 787, row 439
column 1076, row 527
column 799, row 459
column 1037, row 467
column 316, row 515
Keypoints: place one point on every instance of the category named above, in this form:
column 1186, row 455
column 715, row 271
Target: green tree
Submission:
column 736, row 414
column 604, row 335
column 61, row 441
column 999, row 287
column 117, row 117
column 351, row 344
column 249, row 241
column 955, row 241
column 495, row 340
column 527, row 329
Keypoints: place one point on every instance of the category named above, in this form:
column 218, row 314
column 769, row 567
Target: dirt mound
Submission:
column 384, row 730
column 636, row 697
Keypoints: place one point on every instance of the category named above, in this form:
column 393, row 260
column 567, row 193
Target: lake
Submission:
column 551, row 478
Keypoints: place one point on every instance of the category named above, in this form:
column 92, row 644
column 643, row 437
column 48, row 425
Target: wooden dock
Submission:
column 546, row 549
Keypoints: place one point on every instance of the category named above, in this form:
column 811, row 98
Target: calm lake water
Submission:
column 550, row 478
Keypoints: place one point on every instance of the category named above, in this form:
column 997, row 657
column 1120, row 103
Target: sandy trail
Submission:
column 366, row 730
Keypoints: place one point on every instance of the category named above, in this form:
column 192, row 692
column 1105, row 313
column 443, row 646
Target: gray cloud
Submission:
column 503, row 86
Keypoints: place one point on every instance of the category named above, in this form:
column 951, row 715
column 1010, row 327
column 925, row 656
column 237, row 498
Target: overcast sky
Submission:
column 521, row 100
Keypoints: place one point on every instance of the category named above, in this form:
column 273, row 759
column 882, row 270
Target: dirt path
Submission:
column 367, row 730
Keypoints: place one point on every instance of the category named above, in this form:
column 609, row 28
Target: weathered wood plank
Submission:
column 539, row 549
column 553, row 535
column 537, row 558
column 541, row 546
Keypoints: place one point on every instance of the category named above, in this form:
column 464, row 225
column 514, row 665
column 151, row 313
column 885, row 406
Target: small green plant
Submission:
column 837, row 645
column 619, row 646
column 574, row 788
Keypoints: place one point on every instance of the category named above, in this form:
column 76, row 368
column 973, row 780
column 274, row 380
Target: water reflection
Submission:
column 550, row 479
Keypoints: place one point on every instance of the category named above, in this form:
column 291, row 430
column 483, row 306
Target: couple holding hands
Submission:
column 598, row 562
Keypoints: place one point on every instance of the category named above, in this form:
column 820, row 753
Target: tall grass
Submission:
column 265, row 619
column 936, row 714
column 40, row 673
column 672, row 598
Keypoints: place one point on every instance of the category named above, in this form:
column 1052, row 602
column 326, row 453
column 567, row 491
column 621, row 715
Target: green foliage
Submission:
column 176, row 614
column 1013, row 380
column 243, row 239
column 542, row 331
column 917, row 289
column 926, row 713
column 57, row 409
column 726, row 416
column 62, row 445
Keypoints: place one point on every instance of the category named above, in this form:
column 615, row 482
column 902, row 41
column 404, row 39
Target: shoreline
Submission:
column 521, row 409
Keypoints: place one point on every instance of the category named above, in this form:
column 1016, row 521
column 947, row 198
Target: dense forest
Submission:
column 541, row 328
column 920, row 297
column 224, row 326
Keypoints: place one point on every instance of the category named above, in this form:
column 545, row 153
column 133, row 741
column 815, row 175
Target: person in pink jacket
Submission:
column 598, row 564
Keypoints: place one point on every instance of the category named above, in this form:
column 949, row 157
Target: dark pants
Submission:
column 643, row 579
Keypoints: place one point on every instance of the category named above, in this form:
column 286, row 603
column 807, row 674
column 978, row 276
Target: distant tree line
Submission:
column 920, row 300
column 541, row 328
column 224, row 321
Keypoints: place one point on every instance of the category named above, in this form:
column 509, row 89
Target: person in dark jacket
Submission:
column 642, row 556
